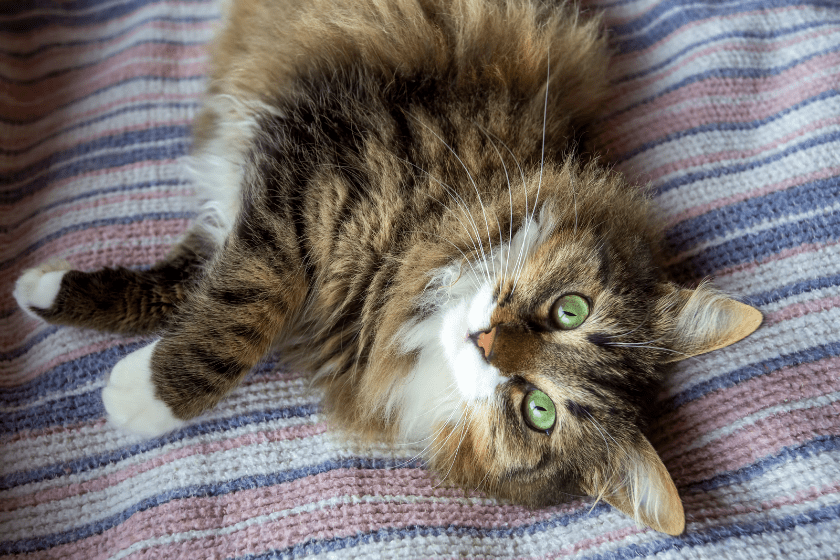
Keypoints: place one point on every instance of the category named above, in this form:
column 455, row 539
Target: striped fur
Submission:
column 763, row 476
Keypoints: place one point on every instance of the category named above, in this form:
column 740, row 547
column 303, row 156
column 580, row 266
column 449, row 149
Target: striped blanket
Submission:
column 729, row 108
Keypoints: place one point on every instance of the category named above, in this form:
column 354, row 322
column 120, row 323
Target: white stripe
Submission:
column 793, row 335
column 802, row 218
column 781, row 272
column 749, row 420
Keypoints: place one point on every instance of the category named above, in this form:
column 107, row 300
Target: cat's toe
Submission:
column 37, row 287
column 130, row 399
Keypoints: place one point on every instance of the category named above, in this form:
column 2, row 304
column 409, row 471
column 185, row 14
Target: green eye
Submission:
column 538, row 411
column 570, row 311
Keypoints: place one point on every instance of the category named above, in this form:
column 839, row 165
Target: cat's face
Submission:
column 540, row 365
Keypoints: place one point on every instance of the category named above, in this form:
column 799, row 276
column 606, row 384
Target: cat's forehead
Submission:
column 567, row 261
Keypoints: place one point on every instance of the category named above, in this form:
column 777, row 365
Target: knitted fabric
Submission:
column 730, row 110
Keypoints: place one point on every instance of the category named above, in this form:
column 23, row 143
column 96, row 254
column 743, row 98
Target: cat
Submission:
column 397, row 199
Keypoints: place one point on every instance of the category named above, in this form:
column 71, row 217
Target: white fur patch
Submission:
column 38, row 287
column 130, row 399
column 219, row 167
column 450, row 373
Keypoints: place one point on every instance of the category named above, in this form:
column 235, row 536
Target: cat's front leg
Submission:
column 221, row 331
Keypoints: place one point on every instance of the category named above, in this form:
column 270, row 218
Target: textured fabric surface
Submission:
column 730, row 110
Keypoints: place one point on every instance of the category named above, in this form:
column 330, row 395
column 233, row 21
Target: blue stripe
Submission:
column 816, row 446
column 750, row 165
column 153, row 85
column 753, row 211
column 803, row 287
column 726, row 126
column 721, row 533
column 699, row 538
column 21, row 350
column 820, row 444
column 28, row 24
column 64, row 410
column 119, row 141
column 70, row 375
column 725, row 73
column 757, row 247
column 197, row 491
column 43, row 47
column 122, row 220
column 145, row 107
column 746, row 34
column 740, row 375
column 667, row 17
column 92, row 194
column 81, row 67
column 60, row 379
column 171, row 150
column 91, row 462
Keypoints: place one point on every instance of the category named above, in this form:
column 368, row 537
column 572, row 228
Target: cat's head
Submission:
column 536, row 368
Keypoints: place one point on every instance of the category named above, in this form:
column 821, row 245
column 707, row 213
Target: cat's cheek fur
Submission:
column 450, row 375
column 130, row 399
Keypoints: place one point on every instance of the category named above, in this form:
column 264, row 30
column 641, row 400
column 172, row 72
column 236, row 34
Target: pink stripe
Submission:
column 165, row 54
column 48, row 96
column 109, row 481
column 69, row 141
column 661, row 122
column 340, row 520
column 766, row 437
column 589, row 544
column 805, row 248
column 723, row 407
column 716, row 157
column 728, row 200
column 801, row 309
column 184, row 31
column 730, row 51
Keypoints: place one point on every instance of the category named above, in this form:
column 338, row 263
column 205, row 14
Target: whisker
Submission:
column 460, row 202
column 542, row 157
column 458, row 447
column 454, row 153
column 510, row 200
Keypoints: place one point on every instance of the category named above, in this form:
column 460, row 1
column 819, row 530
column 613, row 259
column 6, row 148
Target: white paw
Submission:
column 130, row 399
column 37, row 287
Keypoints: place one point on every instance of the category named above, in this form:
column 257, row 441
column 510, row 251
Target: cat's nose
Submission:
column 484, row 340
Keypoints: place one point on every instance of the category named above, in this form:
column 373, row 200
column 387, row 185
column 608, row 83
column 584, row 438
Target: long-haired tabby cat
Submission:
column 393, row 200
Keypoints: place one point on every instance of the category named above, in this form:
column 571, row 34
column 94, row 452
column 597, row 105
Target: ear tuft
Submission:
column 645, row 491
column 702, row 320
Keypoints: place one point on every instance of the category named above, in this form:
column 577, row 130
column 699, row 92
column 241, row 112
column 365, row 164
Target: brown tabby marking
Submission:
column 384, row 173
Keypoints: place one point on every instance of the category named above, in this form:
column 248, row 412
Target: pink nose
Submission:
column 484, row 340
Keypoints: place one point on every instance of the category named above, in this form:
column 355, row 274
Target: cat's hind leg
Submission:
column 114, row 299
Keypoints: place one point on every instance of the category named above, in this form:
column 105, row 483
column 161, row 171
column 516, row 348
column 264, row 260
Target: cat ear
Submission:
column 701, row 320
column 645, row 490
